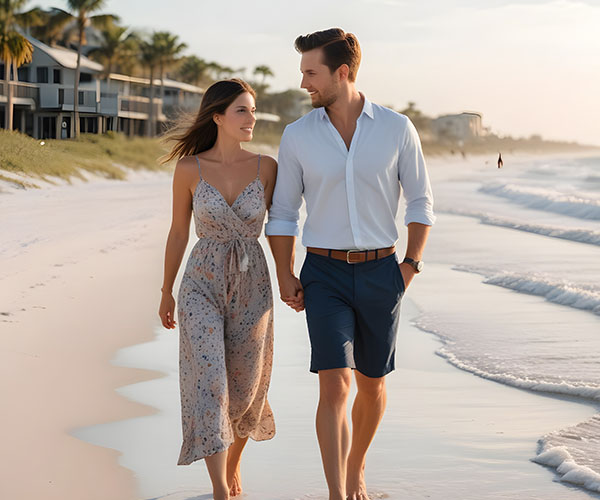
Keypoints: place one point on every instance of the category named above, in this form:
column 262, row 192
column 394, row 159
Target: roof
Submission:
column 65, row 57
column 183, row 86
column 173, row 84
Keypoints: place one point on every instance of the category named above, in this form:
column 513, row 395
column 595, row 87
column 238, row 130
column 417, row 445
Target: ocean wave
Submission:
column 573, row 452
column 560, row 292
column 579, row 235
column 578, row 389
column 570, row 471
column 546, row 200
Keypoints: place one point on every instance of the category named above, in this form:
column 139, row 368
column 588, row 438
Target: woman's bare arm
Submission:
column 184, row 176
column 268, row 175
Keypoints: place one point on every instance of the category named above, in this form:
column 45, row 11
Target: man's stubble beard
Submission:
column 326, row 100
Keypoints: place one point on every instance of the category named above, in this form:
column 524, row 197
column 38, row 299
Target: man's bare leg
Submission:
column 234, row 458
column 367, row 412
column 332, row 428
column 217, row 470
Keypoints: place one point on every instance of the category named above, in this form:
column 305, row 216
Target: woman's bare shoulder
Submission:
column 268, row 162
column 187, row 165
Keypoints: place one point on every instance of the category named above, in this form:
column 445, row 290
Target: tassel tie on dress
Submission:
column 237, row 264
column 237, row 257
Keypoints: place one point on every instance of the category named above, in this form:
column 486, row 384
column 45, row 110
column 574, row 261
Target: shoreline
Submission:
column 440, row 420
column 13, row 182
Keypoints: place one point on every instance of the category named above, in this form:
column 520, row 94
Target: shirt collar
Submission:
column 367, row 109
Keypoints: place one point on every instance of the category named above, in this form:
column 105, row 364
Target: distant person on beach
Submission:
column 225, row 301
column 500, row 162
column 349, row 159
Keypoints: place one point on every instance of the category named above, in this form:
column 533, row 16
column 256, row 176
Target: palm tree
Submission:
column 31, row 19
column 47, row 26
column 217, row 70
column 15, row 50
column 168, row 48
column 150, row 57
column 81, row 10
column 264, row 71
column 115, row 49
column 193, row 70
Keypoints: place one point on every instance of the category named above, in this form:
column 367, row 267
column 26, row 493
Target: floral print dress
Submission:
column 225, row 311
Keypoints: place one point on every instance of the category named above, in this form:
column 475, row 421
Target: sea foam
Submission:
column 560, row 292
column 573, row 452
column 573, row 205
column 580, row 235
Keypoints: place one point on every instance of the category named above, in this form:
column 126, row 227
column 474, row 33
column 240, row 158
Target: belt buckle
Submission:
column 350, row 252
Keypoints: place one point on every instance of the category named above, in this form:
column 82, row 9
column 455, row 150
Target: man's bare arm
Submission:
column 415, row 246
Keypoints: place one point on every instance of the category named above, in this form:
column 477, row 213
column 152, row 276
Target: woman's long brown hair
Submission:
column 201, row 134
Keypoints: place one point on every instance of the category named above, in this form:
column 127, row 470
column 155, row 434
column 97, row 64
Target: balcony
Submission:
column 138, row 107
column 87, row 100
column 23, row 93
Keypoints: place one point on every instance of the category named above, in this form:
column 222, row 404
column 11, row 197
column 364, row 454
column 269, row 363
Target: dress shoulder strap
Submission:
column 198, row 162
column 258, row 169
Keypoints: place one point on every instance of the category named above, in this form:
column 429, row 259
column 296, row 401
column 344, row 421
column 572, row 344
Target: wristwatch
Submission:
column 417, row 265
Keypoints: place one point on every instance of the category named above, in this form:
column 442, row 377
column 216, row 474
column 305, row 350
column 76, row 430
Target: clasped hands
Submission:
column 292, row 293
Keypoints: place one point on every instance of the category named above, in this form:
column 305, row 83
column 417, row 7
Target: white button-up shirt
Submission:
column 351, row 195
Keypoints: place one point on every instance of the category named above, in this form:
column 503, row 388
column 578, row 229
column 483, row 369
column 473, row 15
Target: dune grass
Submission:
column 105, row 155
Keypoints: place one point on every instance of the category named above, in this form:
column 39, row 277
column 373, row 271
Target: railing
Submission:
column 139, row 104
column 22, row 89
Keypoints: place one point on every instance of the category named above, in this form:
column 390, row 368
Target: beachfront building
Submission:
column 461, row 127
column 43, row 97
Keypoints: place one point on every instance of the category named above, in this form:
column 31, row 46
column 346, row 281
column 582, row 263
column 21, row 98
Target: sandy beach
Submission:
column 80, row 276
column 90, row 379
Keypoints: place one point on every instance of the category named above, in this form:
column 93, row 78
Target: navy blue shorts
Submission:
column 352, row 311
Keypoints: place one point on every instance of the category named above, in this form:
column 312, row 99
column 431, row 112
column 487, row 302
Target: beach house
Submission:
column 459, row 127
column 43, row 97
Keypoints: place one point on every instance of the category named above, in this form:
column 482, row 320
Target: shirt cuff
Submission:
column 278, row 227
column 422, row 218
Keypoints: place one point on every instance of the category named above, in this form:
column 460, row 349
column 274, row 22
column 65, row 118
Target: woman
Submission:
column 225, row 304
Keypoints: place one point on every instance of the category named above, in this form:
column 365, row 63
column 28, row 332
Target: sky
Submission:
column 528, row 66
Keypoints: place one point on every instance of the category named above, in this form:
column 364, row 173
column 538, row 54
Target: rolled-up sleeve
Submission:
column 287, row 197
column 414, row 179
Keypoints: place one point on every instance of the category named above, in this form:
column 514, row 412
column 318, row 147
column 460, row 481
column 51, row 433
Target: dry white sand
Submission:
column 80, row 278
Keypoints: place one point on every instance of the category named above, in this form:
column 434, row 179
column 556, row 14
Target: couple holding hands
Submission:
column 350, row 160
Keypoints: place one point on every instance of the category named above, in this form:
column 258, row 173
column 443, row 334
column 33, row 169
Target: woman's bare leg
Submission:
column 217, row 470
column 234, row 458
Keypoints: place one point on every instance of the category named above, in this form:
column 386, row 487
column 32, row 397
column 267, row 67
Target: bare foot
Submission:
column 235, row 482
column 356, row 488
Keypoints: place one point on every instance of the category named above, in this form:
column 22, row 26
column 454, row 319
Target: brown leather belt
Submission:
column 353, row 256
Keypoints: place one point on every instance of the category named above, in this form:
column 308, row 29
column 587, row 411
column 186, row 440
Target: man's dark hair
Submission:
column 338, row 47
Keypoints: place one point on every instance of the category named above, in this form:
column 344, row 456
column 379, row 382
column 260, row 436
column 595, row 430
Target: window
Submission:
column 42, row 75
column 23, row 73
column 80, row 98
column 1, row 71
column 57, row 76
column 85, row 77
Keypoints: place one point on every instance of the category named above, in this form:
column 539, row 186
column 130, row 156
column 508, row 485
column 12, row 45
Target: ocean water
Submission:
column 532, row 228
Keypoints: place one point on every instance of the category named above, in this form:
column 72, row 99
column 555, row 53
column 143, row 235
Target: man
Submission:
column 350, row 159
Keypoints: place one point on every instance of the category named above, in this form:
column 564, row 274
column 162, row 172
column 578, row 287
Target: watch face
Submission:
column 419, row 266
